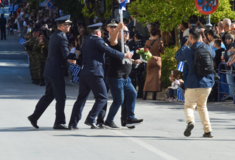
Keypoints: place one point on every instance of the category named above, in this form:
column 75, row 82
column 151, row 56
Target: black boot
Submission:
column 42, row 82
column 154, row 96
column 37, row 82
column 145, row 95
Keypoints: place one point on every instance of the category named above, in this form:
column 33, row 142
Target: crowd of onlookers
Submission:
column 36, row 27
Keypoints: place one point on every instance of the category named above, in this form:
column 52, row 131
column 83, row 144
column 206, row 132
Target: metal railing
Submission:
column 219, row 82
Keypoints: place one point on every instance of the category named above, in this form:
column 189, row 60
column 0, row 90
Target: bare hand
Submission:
column 229, row 63
column 77, row 52
column 121, row 25
column 128, row 55
column 72, row 61
column 138, row 61
column 187, row 43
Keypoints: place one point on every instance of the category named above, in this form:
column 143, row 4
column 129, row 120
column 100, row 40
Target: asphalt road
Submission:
column 160, row 137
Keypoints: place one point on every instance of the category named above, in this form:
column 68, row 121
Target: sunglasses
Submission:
column 228, row 38
column 125, row 32
column 67, row 24
column 112, row 27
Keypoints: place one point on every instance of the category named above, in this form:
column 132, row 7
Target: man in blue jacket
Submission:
column 58, row 54
column 198, row 88
column 92, row 76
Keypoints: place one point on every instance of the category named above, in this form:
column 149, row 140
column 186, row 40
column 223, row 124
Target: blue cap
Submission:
column 95, row 26
column 63, row 19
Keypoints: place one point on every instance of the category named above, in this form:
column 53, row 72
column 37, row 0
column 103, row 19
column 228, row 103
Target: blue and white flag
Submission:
column 180, row 66
column 180, row 94
column 71, row 67
column 22, row 41
column 122, row 5
column 75, row 79
column 76, row 71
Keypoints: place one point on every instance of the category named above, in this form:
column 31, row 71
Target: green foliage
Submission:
column 168, row 64
column 72, row 7
column 170, row 13
column 92, row 9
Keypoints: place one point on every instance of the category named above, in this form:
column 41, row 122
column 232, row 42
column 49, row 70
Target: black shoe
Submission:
column 33, row 122
column 207, row 135
column 132, row 127
column 73, row 128
column 145, row 95
column 154, row 96
column 133, row 122
column 110, row 125
column 123, row 123
column 93, row 126
column 60, row 126
column 100, row 125
column 42, row 83
column 189, row 128
column 37, row 82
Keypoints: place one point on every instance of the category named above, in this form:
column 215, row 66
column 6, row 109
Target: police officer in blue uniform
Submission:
column 92, row 76
column 55, row 68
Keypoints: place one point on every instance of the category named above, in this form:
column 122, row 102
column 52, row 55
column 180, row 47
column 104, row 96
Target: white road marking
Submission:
column 148, row 146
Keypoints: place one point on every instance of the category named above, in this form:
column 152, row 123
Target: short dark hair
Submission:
column 184, row 24
column 154, row 31
column 217, row 42
column 195, row 33
column 211, row 32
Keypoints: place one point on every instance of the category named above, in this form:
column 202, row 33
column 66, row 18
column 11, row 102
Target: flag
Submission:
column 180, row 66
column 22, row 41
column 180, row 94
column 122, row 5
column 75, row 79
column 71, row 67
column 76, row 71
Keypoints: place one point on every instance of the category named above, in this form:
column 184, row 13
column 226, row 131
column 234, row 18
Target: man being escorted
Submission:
column 92, row 76
column 199, row 81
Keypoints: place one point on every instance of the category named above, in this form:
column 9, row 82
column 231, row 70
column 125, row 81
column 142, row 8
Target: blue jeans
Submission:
column 121, row 88
column 230, row 80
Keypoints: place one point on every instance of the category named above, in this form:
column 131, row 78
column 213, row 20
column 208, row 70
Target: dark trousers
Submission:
column 3, row 33
column 171, row 93
column 138, row 74
column 87, row 84
column 55, row 88
column 101, row 115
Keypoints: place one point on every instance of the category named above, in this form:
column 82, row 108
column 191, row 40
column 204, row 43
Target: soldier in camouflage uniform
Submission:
column 36, row 59
column 43, row 42
column 29, row 48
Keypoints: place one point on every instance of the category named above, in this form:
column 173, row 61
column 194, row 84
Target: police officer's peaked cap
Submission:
column 112, row 22
column 95, row 26
column 63, row 19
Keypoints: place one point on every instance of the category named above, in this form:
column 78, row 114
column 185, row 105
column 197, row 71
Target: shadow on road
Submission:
column 148, row 137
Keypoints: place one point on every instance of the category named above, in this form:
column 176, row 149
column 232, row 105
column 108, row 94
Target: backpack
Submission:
column 203, row 61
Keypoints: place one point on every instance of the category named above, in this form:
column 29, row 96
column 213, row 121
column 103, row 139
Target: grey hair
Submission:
column 227, row 21
column 94, row 31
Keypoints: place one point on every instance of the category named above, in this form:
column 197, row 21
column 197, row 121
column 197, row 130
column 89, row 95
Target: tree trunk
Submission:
column 177, row 37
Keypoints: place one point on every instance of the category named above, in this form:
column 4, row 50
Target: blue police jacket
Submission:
column 94, row 49
column 193, row 81
column 58, row 53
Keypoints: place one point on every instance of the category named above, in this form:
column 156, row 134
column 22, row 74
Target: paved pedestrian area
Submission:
column 160, row 137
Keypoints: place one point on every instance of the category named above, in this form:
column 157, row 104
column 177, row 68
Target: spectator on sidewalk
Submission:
column 3, row 22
